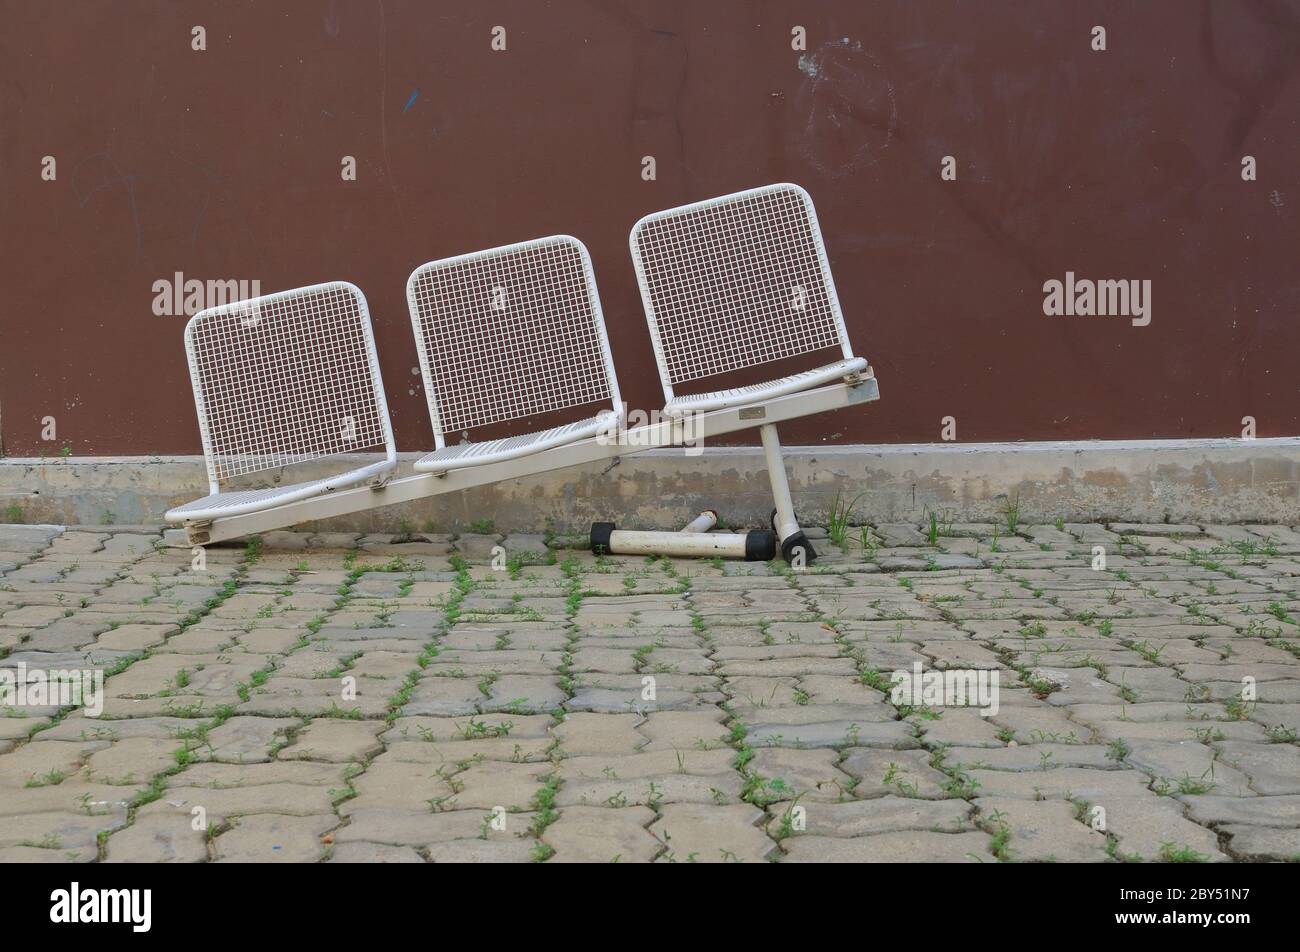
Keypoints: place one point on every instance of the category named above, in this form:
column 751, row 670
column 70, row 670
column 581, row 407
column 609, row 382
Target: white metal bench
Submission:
column 517, row 333
column 508, row 334
column 279, row 380
column 734, row 283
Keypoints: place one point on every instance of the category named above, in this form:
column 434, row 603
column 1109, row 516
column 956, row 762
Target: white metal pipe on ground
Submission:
column 704, row 522
column 689, row 545
column 757, row 545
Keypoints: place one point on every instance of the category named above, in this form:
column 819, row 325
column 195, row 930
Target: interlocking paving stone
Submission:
column 1263, row 844
column 880, row 772
column 711, row 834
column 842, row 732
column 805, row 774
column 652, row 764
column 220, row 804
column 609, row 734
column 57, row 831
column 131, row 760
column 1145, row 826
column 517, row 687
column 476, row 546
column 268, row 838
column 909, row 847
column 602, row 700
column 46, row 762
column 482, row 851
column 1271, row 769
column 244, row 739
column 879, row 815
column 602, row 835
column 337, row 741
column 373, row 853
column 1030, row 757
column 420, row 828
column 700, row 729
column 158, row 839
column 1187, row 762
column 1042, row 830
column 1282, row 812
column 718, row 788
column 961, row 726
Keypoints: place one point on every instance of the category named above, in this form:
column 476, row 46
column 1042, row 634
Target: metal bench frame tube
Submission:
column 790, row 536
column 423, row 485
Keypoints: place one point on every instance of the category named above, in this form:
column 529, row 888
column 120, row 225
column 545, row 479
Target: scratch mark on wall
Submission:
column 851, row 108
column 383, row 104
column 194, row 233
column 111, row 179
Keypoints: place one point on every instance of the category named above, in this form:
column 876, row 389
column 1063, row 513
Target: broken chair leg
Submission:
column 704, row 522
column 795, row 547
column 757, row 545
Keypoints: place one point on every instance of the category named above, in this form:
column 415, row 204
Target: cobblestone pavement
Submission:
column 335, row 697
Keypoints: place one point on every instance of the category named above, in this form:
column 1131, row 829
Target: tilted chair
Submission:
column 734, row 283
column 279, row 380
column 508, row 334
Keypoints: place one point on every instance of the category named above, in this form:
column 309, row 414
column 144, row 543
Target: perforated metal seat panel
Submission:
column 237, row 502
column 757, row 393
column 736, row 282
column 506, row 334
column 512, row 447
column 282, row 379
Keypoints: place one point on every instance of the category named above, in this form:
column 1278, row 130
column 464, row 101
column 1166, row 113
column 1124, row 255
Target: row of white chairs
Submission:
column 509, row 334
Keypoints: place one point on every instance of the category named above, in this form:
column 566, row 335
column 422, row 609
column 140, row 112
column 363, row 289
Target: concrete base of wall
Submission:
column 1148, row 481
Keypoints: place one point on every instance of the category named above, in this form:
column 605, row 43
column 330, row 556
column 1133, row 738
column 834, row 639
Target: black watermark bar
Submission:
column 140, row 903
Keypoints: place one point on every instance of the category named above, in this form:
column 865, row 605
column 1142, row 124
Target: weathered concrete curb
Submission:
column 1151, row 481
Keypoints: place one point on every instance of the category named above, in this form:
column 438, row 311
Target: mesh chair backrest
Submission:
column 510, row 332
column 286, row 378
column 734, row 282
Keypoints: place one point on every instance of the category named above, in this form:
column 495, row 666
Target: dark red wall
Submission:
column 225, row 164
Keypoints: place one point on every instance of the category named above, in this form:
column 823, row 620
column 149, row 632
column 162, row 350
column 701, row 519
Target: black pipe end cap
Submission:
column 760, row 545
column 600, row 533
column 791, row 544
